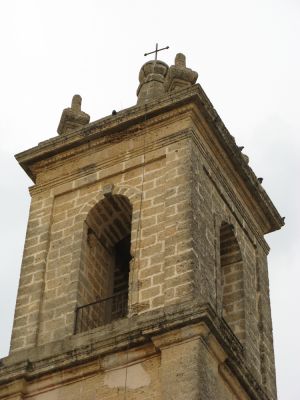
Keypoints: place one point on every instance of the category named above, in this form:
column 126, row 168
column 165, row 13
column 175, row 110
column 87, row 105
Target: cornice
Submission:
column 106, row 140
column 134, row 119
column 90, row 349
column 150, row 154
column 128, row 120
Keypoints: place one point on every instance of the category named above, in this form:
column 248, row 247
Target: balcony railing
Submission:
column 101, row 312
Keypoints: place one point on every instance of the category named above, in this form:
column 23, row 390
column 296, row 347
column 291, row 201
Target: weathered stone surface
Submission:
column 169, row 174
column 152, row 78
column 179, row 76
column 73, row 118
column 177, row 352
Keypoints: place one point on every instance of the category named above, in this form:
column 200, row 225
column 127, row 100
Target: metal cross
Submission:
column 156, row 51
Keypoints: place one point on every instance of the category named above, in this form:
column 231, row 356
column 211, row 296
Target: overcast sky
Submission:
column 246, row 53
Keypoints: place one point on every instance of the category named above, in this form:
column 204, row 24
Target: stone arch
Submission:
column 133, row 195
column 232, row 280
column 105, row 253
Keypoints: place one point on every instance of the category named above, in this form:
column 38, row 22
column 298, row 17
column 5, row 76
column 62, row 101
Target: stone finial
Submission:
column 72, row 118
column 76, row 103
column 180, row 60
column 179, row 76
column 152, row 81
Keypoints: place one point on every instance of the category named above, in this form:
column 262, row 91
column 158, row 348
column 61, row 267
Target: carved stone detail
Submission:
column 72, row 117
column 179, row 76
column 152, row 78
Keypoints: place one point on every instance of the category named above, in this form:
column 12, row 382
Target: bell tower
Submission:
column 144, row 272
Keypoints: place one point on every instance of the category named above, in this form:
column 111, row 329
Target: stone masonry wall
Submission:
column 139, row 381
column 232, row 282
column 181, row 365
column 267, row 362
column 31, row 284
column 180, row 196
column 215, row 204
column 107, row 223
column 95, row 281
column 188, row 371
column 160, row 272
column 96, row 273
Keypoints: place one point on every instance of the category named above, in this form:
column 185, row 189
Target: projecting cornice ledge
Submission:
column 137, row 117
column 91, row 350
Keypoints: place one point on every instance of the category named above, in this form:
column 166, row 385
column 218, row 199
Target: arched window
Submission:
column 233, row 296
column 105, row 259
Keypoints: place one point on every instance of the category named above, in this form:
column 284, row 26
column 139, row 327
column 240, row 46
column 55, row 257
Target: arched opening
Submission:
column 233, row 296
column 105, row 260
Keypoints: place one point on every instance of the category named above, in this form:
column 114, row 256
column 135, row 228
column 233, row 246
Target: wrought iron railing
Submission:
column 100, row 312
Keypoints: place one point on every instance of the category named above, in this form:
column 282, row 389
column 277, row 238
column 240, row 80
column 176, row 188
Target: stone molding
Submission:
column 193, row 95
column 90, row 351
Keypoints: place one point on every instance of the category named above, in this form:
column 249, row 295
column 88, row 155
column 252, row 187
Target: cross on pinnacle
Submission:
column 156, row 51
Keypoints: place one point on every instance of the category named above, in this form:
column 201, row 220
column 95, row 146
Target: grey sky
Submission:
column 247, row 55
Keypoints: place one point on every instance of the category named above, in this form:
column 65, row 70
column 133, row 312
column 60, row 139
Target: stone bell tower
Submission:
column 144, row 273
